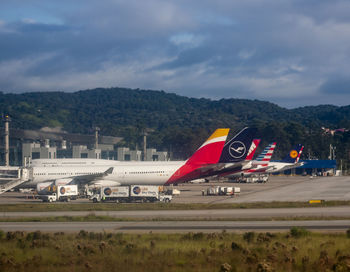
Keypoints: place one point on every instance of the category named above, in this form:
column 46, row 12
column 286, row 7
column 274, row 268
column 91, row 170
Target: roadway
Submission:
column 176, row 226
column 209, row 214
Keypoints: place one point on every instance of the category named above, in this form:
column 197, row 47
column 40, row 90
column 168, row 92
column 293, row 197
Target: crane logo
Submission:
column 293, row 154
column 237, row 149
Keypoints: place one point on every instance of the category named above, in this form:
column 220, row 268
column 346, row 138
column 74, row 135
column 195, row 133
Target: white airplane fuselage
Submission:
column 124, row 173
column 281, row 166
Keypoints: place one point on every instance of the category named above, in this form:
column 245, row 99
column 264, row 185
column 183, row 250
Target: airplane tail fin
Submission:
column 294, row 154
column 266, row 155
column 210, row 151
column 252, row 149
column 237, row 148
column 207, row 154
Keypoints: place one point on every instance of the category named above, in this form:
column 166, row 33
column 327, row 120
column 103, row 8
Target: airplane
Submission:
column 245, row 164
column 249, row 157
column 202, row 164
column 209, row 159
column 289, row 162
column 261, row 163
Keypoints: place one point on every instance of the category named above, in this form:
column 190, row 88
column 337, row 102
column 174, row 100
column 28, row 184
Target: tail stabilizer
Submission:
column 208, row 154
column 294, row 154
column 266, row 155
column 237, row 148
column 210, row 151
column 252, row 149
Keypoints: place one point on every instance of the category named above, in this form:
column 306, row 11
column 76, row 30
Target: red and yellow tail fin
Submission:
column 210, row 151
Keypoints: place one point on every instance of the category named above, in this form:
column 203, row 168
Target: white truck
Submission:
column 133, row 193
column 62, row 193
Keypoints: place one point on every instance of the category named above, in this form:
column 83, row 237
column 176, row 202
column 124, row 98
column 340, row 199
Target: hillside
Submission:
column 176, row 123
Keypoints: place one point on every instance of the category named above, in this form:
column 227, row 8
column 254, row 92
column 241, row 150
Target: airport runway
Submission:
column 212, row 214
column 176, row 226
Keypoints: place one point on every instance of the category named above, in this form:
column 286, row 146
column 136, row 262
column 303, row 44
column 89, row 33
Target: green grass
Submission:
column 298, row 250
column 40, row 207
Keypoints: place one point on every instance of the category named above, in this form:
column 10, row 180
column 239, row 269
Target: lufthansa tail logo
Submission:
column 237, row 149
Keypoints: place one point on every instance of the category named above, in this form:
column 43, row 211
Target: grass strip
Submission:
column 296, row 250
column 41, row 207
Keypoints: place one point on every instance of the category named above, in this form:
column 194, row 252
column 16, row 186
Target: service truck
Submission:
column 133, row 193
column 62, row 193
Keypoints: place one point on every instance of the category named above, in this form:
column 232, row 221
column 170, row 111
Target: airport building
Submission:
column 26, row 145
column 315, row 167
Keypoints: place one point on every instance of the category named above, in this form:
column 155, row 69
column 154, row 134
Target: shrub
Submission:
column 235, row 246
column 198, row 236
column 298, row 232
column 249, row 236
column 225, row 267
column 37, row 235
column 348, row 233
column 82, row 234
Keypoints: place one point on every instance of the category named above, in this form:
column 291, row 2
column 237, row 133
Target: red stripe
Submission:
column 208, row 154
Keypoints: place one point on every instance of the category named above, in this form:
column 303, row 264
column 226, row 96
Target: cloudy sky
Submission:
column 290, row 52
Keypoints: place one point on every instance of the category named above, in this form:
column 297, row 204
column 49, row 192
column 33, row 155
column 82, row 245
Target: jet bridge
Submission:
column 10, row 177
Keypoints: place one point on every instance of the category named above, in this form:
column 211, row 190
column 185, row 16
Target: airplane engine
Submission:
column 64, row 181
column 105, row 182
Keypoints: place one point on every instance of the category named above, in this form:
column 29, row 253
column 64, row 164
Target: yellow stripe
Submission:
column 219, row 133
column 313, row 201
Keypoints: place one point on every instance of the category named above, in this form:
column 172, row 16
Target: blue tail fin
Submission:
column 236, row 149
column 294, row 154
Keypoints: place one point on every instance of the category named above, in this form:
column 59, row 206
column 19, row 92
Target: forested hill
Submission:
column 174, row 122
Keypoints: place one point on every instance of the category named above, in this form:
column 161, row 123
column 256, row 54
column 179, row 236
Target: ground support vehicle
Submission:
column 221, row 190
column 62, row 193
column 132, row 193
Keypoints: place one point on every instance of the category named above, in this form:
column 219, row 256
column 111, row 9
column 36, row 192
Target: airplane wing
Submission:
column 85, row 179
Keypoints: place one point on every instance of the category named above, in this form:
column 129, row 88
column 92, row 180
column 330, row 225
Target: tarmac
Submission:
column 278, row 188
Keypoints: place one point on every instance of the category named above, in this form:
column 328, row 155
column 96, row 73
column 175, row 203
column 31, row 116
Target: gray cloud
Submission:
column 336, row 86
column 279, row 51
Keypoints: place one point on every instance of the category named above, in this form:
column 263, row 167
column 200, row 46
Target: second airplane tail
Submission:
column 237, row 148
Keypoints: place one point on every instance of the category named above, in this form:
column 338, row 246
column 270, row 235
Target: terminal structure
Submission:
column 19, row 147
